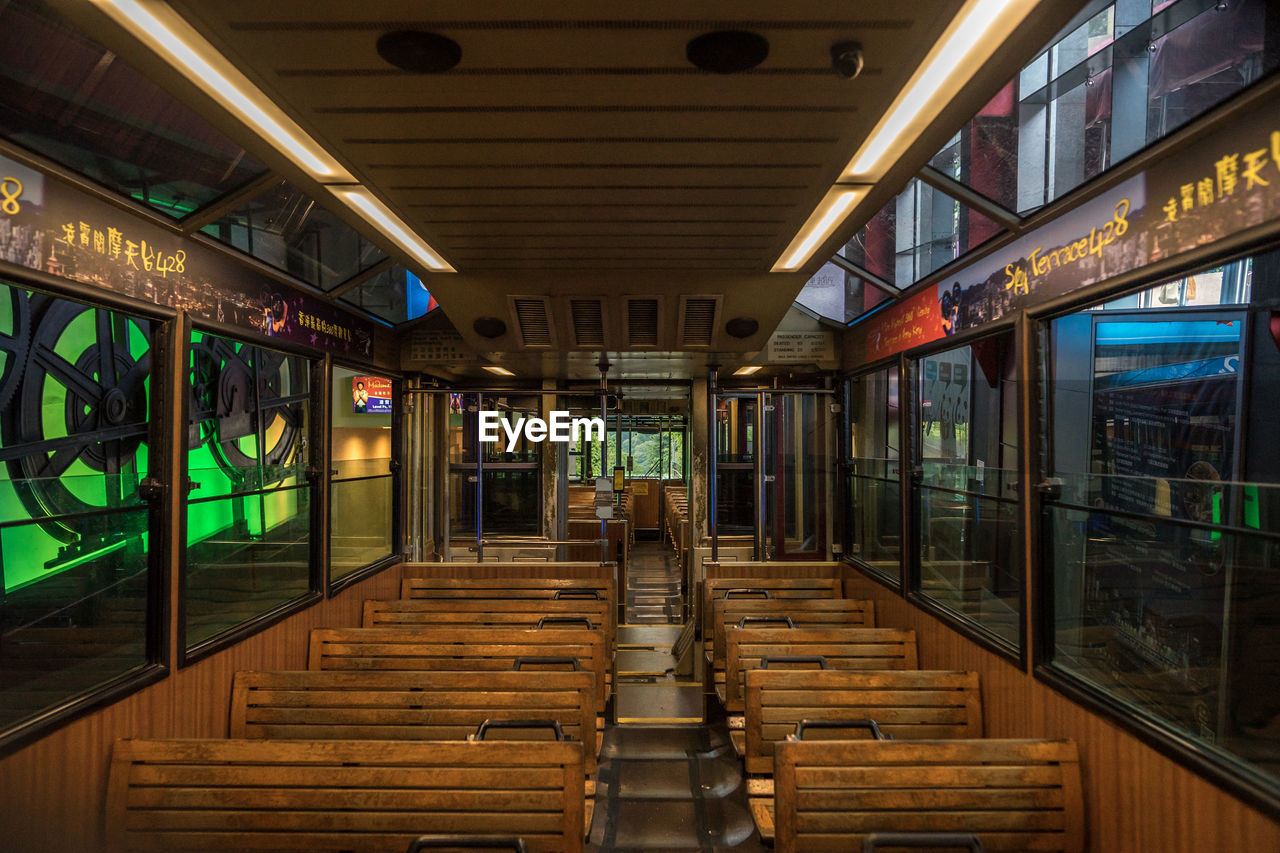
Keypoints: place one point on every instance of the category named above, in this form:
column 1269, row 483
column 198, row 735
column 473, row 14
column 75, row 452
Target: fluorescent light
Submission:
column 973, row 36
column 165, row 32
column 501, row 371
column 747, row 369
column 815, row 232
column 376, row 213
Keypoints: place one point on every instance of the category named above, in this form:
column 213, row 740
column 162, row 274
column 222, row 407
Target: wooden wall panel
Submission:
column 52, row 791
column 1136, row 800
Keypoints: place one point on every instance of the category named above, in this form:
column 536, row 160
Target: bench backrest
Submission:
column 500, row 588
column 361, row 796
column 516, row 569
column 774, row 569
column 906, row 704
column 1013, row 794
column 726, row 613
column 843, row 648
column 438, row 589
column 779, row 588
column 486, row 613
column 410, row 705
column 462, row 649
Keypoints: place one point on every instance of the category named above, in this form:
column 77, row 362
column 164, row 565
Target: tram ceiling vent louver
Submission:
column 588, row 323
column 643, row 313
column 698, row 318
column 532, row 316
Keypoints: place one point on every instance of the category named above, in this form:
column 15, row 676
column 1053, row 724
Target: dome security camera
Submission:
column 846, row 59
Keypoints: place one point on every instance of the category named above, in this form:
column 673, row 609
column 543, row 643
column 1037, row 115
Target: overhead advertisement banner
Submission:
column 49, row 226
column 1221, row 184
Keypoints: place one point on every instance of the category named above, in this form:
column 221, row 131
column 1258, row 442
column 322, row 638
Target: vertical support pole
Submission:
column 759, row 444
column 713, row 453
column 479, row 475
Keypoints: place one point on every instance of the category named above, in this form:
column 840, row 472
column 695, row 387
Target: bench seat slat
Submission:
column 1012, row 794
column 342, row 795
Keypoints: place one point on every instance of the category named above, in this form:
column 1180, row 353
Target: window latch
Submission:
column 150, row 489
column 1050, row 488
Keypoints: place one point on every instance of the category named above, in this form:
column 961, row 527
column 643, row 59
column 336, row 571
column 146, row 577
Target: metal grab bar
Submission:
column 478, row 548
column 475, row 842
column 931, row 840
column 870, row 725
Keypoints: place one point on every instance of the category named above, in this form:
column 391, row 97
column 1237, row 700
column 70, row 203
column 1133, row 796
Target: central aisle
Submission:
column 666, row 787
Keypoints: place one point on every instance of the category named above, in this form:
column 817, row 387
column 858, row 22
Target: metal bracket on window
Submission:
column 1050, row 488
column 313, row 472
column 393, row 466
column 150, row 489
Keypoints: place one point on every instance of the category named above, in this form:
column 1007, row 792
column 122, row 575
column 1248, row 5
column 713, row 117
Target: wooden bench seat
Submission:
column 906, row 704
column 488, row 613
column 338, row 795
column 442, row 705
column 512, row 588
column 804, row 613
column 1013, row 794
column 462, row 649
column 767, row 588
column 841, row 648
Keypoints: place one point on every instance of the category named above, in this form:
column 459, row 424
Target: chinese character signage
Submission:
column 370, row 395
column 48, row 226
column 1221, row 184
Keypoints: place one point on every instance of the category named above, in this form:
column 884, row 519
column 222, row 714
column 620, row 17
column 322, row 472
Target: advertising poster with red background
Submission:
column 370, row 395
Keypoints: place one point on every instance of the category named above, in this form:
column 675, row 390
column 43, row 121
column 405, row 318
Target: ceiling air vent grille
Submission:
column 588, row 322
column 533, row 320
column 698, row 320
column 642, row 322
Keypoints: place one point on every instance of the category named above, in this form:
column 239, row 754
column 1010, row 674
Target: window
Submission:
column 67, row 98
column 1162, row 537
column 508, row 482
column 964, row 486
column 874, row 513
column 75, row 530
column 249, row 527
column 396, row 295
column 362, row 486
column 284, row 227
column 736, row 465
column 916, row 233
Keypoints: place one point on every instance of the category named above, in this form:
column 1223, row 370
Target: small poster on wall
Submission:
column 370, row 395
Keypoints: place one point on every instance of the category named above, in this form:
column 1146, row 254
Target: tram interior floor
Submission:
column 663, row 784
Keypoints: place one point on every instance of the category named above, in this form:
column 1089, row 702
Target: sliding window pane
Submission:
column 361, row 505
column 965, row 492
column 249, row 505
column 1161, row 540
column 875, row 514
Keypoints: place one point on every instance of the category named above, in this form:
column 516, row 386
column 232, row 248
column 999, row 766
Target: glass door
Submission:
column 774, row 472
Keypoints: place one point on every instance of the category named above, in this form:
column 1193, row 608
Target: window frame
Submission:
column 167, row 329
column 188, row 655
column 396, row 471
column 1221, row 768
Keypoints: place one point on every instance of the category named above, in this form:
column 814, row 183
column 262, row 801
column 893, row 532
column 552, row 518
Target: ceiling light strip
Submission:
column 177, row 42
column 373, row 211
column 823, row 221
column 972, row 38
column 747, row 369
